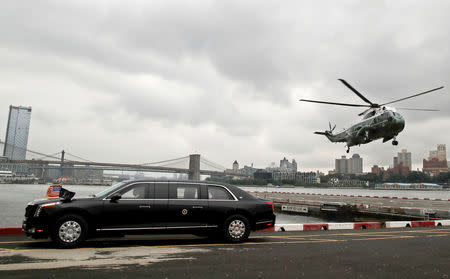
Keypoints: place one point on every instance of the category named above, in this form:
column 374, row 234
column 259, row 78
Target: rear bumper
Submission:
column 264, row 224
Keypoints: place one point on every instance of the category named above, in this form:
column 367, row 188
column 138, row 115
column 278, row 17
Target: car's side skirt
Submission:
column 157, row 228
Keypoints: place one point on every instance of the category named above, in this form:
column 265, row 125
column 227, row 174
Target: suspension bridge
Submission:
column 194, row 165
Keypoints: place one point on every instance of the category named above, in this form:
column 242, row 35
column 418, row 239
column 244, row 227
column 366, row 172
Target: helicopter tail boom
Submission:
column 328, row 134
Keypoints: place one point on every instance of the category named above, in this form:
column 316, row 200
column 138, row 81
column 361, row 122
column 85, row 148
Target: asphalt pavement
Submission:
column 393, row 253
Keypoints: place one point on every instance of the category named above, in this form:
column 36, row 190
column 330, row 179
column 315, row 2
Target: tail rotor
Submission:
column 331, row 129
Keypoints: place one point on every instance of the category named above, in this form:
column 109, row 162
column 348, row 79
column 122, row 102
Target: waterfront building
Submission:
column 441, row 152
column 248, row 170
column 235, row 166
column 298, row 177
column 341, row 165
column 262, row 174
column 351, row 183
column 377, row 170
column 353, row 165
column 18, row 126
column 356, row 163
column 404, row 158
column 437, row 161
column 285, row 164
column 16, row 169
column 399, row 169
column 395, row 161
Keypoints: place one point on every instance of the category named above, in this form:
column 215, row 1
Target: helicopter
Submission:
column 379, row 121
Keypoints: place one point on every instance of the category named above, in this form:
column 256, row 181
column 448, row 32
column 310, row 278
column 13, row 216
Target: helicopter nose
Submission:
column 399, row 121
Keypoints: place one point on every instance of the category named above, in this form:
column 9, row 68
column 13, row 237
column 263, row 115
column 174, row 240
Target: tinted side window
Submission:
column 136, row 191
column 184, row 191
column 218, row 193
column 161, row 191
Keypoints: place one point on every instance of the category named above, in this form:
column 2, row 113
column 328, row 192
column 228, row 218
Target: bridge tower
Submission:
column 61, row 166
column 194, row 167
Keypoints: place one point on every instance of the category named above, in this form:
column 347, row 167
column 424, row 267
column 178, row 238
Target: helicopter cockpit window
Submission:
column 369, row 114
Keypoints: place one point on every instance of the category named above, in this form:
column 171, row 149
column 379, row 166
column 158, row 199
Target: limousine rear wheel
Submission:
column 236, row 228
column 69, row 231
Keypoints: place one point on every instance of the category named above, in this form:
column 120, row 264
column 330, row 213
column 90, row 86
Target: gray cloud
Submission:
column 224, row 78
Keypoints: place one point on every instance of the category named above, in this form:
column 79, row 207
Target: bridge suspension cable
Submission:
column 86, row 160
column 49, row 156
column 212, row 164
column 165, row 161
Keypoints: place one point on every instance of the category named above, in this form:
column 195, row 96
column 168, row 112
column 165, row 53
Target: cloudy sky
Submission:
column 142, row 81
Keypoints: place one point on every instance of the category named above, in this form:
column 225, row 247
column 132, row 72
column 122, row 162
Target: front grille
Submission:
column 29, row 210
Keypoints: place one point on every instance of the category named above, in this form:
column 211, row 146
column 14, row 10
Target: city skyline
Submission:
column 104, row 87
column 403, row 157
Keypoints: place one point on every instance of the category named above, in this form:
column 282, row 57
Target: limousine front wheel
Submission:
column 69, row 231
column 236, row 228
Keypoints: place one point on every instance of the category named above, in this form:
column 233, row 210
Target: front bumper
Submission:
column 35, row 229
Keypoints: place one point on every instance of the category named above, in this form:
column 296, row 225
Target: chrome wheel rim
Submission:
column 69, row 231
column 236, row 229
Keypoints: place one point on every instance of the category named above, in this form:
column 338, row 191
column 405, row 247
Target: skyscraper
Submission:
column 353, row 165
column 356, row 164
column 17, row 132
column 441, row 152
column 404, row 158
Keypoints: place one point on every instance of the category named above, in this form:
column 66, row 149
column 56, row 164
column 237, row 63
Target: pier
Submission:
column 377, row 207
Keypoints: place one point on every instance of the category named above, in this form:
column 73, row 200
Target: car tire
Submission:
column 236, row 228
column 69, row 231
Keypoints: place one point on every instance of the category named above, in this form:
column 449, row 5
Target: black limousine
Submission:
column 148, row 206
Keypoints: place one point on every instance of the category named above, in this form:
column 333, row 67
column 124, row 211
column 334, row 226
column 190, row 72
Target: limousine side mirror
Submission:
column 115, row 198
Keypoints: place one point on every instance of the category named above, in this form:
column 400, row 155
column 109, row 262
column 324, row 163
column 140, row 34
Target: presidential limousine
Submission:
column 148, row 206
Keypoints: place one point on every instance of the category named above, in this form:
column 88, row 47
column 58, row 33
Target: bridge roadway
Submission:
column 53, row 164
column 394, row 253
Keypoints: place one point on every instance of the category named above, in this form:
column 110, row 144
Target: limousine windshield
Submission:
column 110, row 189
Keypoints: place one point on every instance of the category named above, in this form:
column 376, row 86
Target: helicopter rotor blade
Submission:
column 419, row 109
column 364, row 112
column 412, row 96
column 331, row 103
column 356, row 92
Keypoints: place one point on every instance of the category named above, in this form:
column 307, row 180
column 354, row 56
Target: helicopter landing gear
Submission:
column 394, row 142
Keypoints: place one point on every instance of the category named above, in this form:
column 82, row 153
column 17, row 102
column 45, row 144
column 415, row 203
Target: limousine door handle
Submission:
column 197, row 206
column 145, row 206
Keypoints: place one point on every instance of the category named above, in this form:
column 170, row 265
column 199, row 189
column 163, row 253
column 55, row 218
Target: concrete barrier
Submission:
column 416, row 224
column 289, row 227
column 340, row 226
column 315, row 227
column 366, row 225
column 398, row 224
column 442, row 222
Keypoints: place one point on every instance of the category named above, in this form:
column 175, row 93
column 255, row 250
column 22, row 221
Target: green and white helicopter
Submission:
column 379, row 121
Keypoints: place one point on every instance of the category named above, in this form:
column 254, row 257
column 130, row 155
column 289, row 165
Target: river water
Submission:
column 438, row 194
column 14, row 198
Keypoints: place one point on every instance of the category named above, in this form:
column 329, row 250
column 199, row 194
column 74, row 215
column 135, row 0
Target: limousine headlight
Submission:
column 39, row 209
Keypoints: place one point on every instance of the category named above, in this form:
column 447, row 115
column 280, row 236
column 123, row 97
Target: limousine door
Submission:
column 187, row 209
column 131, row 211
